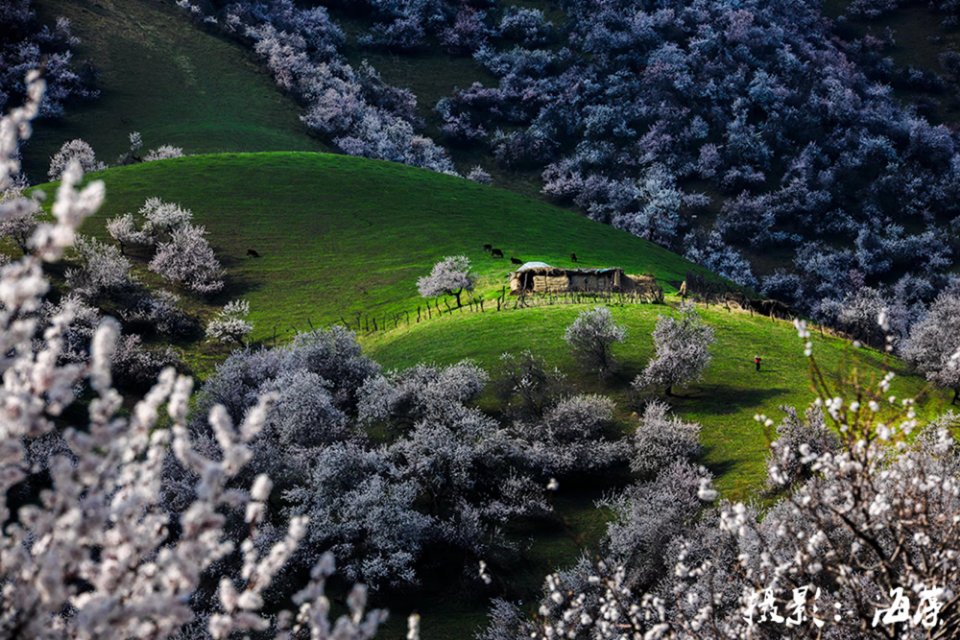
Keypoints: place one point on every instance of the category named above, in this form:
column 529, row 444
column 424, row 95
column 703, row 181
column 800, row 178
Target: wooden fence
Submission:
column 367, row 323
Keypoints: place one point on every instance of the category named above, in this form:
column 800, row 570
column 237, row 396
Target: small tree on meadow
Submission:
column 123, row 229
column 163, row 217
column 160, row 219
column 682, row 351
column 451, row 276
column 526, row 385
column 661, row 439
column 163, row 152
column 78, row 150
column 591, row 337
column 188, row 259
column 934, row 344
column 100, row 269
column 479, row 175
column 136, row 146
column 230, row 324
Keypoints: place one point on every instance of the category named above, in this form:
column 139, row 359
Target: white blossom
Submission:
column 77, row 151
column 188, row 259
column 591, row 337
column 95, row 554
column 682, row 351
column 163, row 152
column 450, row 276
column 230, row 324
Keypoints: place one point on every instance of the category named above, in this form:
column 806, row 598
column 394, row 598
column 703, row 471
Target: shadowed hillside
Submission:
column 162, row 76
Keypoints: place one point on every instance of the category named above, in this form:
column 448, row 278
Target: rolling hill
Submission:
column 346, row 235
column 167, row 78
column 339, row 235
column 344, row 239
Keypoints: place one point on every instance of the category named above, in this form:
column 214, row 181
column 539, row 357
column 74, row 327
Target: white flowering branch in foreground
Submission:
column 94, row 553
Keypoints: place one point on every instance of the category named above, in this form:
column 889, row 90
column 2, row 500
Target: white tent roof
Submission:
column 534, row 265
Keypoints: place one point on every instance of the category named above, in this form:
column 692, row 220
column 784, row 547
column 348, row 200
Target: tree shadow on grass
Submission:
column 724, row 399
column 718, row 468
column 236, row 282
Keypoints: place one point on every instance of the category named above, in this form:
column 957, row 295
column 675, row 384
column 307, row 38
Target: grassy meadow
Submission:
column 339, row 235
column 344, row 239
column 724, row 402
column 169, row 79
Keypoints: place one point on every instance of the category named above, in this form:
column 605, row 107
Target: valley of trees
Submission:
column 655, row 117
column 298, row 488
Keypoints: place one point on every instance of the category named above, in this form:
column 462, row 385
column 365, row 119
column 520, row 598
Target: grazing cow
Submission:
column 488, row 248
column 516, row 260
column 253, row 253
column 496, row 253
column 573, row 257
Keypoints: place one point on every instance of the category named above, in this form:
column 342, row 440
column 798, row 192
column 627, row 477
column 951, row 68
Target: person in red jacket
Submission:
column 756, row 361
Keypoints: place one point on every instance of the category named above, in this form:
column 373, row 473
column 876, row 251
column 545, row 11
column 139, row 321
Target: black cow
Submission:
column 516, row 260
column 253, row 253
column 573, row 257
column 496, row 253
column 488, row 248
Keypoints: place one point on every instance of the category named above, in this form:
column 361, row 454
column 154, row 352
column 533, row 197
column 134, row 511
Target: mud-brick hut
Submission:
column 540, row 277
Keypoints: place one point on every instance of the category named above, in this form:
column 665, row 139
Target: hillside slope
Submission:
column 340, row 235
column 175, row 83
column 920, row 40
column 724, row 402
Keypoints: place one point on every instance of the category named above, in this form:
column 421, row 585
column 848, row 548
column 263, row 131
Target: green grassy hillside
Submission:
column 340, row 235
column 175, row 83
column 724, row 402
